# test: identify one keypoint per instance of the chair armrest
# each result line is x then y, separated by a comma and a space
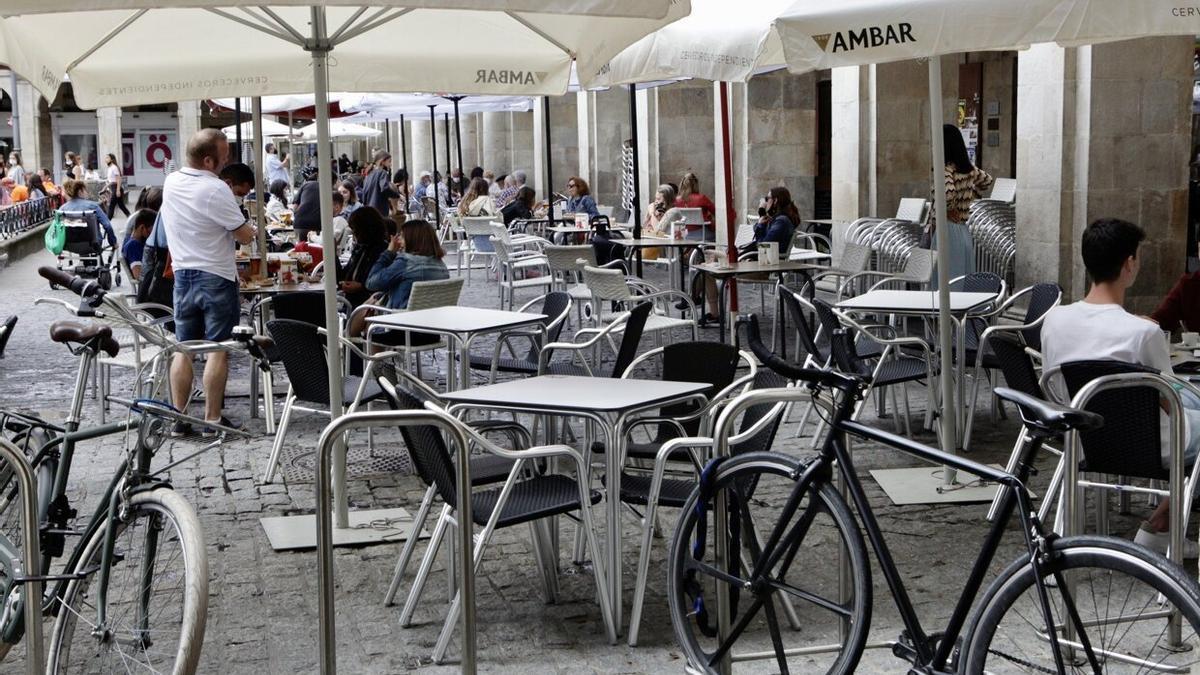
882, 276
639, 360
348, 343
643, 421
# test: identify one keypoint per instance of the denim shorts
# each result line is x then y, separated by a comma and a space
207, 306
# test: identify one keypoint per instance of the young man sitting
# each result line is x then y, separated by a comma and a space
142, 222
1099, 328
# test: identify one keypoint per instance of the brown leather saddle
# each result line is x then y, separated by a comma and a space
79, 333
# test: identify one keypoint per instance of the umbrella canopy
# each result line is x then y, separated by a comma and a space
339, 129
270, 130
204, 50
394, 105
719, 41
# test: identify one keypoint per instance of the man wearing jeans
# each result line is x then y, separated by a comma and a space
202, 221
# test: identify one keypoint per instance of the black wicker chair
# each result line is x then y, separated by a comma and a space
556, 305
631, 327
301, 347
521, 500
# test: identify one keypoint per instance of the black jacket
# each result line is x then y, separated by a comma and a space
358, 268
307, 207
377, 190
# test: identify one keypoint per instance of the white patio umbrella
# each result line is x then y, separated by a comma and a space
379, 106
270, 129
283, 103
201, 49
339, 129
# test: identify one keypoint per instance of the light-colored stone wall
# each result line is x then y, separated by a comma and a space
781, 138
998, 86
611, 129
564, 140
852, 92
685, 133
108, 137
497, 153
521, 143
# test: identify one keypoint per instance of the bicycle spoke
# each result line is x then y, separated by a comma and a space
737, 631
815, 599
701, 566
776, 638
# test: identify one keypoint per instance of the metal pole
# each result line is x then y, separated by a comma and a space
387, 134
260, 181
437, 201
320, 52
466, 553
549, 155
237, 127
637, 198
403, 147
291, 154
16, 116
449, 169
945, 325
457, 130
31, 554
730, 218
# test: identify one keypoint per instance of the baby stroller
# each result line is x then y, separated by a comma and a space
83, 252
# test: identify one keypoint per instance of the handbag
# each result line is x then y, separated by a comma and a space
56, 235
359, 325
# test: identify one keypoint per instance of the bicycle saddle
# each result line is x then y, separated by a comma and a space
73, 331
1050, 417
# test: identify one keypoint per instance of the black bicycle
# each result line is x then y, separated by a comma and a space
767, 538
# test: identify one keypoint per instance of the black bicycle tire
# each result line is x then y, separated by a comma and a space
1086, 551
757, 463
195, 588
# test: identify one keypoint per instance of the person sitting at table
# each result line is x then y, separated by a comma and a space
349, 192
579, 198
476, 201
438, 189
141, 223
776, 225
306, 206
497, 185
76, 192
412, 255
514, 183
690, 197
369, 228
1180, 310
521, 207
1099, 328
402, 184
278, 203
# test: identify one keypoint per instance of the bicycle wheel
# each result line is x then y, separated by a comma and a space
157, 595
1123, 595
800, 587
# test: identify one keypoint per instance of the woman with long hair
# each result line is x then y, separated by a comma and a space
349, 192
690, 197
964, 184
579, 197
412, 255
477, 202
369, 228
116, 187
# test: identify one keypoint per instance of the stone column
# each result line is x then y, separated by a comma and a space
521, 142
29, 111
537, 172
1103, 131
853, 136
564, 140
497, 154
781, 142
188, 116
610, 130
686, 120
418, 148
583, 116
470, 142
647, 121
108, 137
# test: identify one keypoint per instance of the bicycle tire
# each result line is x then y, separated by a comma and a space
1000, 642
750, 475
12, 619
78, 651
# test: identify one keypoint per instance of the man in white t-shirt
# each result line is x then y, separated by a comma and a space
276, 169
202, 220
1099, 328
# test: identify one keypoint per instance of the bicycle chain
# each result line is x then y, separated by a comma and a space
1021, 662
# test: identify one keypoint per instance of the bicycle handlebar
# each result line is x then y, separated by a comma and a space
825, 378
64, 279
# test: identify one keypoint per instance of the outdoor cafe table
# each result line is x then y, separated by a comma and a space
666, 242
925, 304
612, 403
722, 272
460, 326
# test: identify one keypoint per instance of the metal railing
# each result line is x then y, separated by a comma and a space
24, 216
31, 551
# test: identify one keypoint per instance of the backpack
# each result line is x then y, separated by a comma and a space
158, 279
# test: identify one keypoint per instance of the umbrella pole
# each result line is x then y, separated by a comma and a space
387, 134
237, 127
457, 130
403, 148
945, 326
549, 154
730, 218
260, 183
636, 206
437, 201
449, 169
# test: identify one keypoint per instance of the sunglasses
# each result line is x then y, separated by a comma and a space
570, 185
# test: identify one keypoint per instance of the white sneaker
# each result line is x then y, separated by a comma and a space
1158, 542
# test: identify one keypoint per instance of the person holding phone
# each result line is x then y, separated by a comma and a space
412, 255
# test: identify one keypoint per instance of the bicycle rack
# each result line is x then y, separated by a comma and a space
466, 545
34, 656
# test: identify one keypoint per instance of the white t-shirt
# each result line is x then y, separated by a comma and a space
112, 173
275, 170
199, 215
1085, 331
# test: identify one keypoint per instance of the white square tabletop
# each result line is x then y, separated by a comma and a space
456, 319
913, 301
567, 393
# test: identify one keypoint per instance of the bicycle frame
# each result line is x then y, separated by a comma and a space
924, 649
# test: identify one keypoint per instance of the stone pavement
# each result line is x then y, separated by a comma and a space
263, 605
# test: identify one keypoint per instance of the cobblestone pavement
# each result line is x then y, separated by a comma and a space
263, 605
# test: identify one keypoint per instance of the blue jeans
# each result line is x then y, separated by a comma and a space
207, 306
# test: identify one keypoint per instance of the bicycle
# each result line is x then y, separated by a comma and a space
133, 592
1066, 604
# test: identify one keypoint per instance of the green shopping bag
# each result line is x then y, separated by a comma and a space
56, 235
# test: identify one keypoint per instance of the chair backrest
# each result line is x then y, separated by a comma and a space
691, 216
711, 363
606, 211
855, 257
566, 258
978, 282
911, 209
555, 306
1015, 364
765, 378
306, 306
606, 284
631, 336
1004, 190
426, 448
841, 341
1043, 298
805, 328
1130, 442
745, 235
439, 293
918, 266
302, 350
